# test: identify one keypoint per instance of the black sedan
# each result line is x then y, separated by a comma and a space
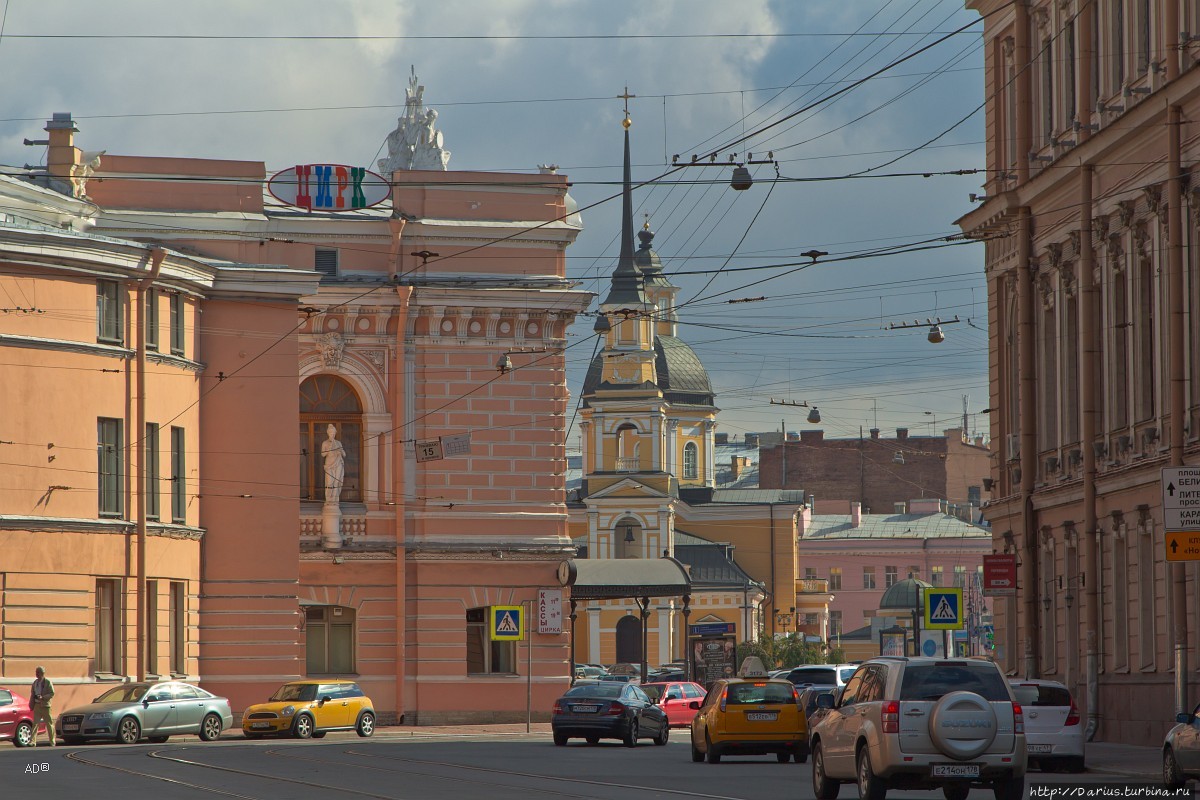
608, 711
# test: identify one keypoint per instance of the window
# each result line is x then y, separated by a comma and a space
110, 468
1143, 36
1144, 332
329, 639
150, 467
810, 619
1047, 69
935, 577
152, 627
151, 319
6, 698
484, 656
178, 629
868, 577
108, 312
1120, 599
1068, 82
177, 325
835, 578
1117, 49
960, 575
914, 571
974, 496
835, 623
889, 577
810, 573
108, 626
1119, 365
327, 400
1147, 585
178, 476
326, 261
690, 458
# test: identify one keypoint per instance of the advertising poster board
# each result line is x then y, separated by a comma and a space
712, 659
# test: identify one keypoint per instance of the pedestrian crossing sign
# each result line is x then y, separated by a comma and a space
943, 609
507, 623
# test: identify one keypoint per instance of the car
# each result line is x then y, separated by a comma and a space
808, 703
821, 674
675, 698
153, 710
921, 723
619, 679
1053, 733
608, 710
309, 709
669, 676
588, 671
16, 718
749, 715
1181, 750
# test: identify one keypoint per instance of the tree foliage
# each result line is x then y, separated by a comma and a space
789, 650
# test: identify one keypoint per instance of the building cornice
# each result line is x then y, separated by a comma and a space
16, 522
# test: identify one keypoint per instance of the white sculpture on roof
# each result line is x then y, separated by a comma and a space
416, 143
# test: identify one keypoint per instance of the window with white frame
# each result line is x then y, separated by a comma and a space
935, 576
835, 578
109, 320
110, 466
889, 577
178, 320
868, 577
108, 626
691, 461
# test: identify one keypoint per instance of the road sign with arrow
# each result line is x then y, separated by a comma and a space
1181, 512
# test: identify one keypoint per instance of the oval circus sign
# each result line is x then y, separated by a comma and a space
328, 187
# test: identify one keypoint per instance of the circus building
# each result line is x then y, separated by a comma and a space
366, 372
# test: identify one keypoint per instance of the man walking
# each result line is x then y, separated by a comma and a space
40, 695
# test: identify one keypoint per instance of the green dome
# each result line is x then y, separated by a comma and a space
904, 595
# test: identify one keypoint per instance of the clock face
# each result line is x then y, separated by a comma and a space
564, 573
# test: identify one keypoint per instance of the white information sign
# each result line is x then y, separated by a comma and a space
550, 611
459, 445
1181, 498
429, 450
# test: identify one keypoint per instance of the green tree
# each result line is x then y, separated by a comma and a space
788, 651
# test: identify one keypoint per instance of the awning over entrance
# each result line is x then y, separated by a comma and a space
609, 579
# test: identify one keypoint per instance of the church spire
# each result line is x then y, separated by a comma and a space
627, 282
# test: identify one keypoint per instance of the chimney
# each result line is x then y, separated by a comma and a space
63, 156
812, 437
735, 466
855, 515
874, 433
901, 433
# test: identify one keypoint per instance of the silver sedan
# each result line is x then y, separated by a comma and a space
152, 711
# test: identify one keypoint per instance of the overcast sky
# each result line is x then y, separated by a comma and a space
519, 83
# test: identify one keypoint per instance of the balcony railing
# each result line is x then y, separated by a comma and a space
628, 464
812, 586
352, 527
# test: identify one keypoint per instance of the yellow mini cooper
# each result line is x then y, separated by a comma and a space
309, 709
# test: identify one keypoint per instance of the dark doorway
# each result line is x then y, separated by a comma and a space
629, 640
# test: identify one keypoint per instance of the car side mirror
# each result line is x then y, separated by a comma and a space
150, 698
694, 704
825, 701
1183, 718
325, 699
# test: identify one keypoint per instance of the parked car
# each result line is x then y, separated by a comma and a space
751, 715
151, 710
1053, 733
16, 718
921, 723
668, 676
619, 679
1181, 750
675, 698
588, 671
821, 674
309, 709
608, 710
808, 703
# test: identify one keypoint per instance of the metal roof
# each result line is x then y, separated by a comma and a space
597, 579
893, 526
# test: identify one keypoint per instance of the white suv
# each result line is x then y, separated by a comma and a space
921, 723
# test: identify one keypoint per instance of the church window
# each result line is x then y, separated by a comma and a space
327, 400
691, 460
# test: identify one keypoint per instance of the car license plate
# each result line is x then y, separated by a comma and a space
762, 716
955, 771
1039, 748
260, 724
71, 726
585, 709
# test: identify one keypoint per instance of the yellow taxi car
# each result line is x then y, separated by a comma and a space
309, 709
750, 715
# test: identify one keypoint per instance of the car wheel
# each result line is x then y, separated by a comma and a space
870, 786
302, 728
592, 740
712, 752
128, 731
23, 735
783, 757
366, 725
319, 734
560, 739
157, 739
823, 787
697, 756
1172, 775
956, 791
1009, 788
210, 728
631, 735
801, 754
663, 735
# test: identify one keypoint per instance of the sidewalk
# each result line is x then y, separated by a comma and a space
500, 730
1130, 760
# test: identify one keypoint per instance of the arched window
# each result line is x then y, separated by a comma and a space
628, 449
328, 400
691, 460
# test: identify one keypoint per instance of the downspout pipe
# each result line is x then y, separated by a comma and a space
138, 457
1178, 402
1029, 584
1089, 365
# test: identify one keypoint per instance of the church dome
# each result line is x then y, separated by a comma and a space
682, 379
904, 595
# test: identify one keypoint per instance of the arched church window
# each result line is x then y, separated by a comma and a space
328, 400
691, 461
628, 455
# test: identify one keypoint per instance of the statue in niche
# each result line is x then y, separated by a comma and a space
334, 455
416, 143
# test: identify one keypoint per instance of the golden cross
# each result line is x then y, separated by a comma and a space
626, 97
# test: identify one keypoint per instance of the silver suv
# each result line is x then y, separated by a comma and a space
921, 723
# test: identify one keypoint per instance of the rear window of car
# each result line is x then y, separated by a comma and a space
1034, 695
653, 691
822, 675
846, 672
751, 693
931, 681
596, 690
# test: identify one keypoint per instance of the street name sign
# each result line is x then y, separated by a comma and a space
1183, 545
943, 609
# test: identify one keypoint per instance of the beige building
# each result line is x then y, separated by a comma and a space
1089, 223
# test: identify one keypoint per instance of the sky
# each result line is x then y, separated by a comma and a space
519, 83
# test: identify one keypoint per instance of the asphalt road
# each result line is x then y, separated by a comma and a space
410, 767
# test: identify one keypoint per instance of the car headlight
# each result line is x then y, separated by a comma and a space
100, 716
288, 711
